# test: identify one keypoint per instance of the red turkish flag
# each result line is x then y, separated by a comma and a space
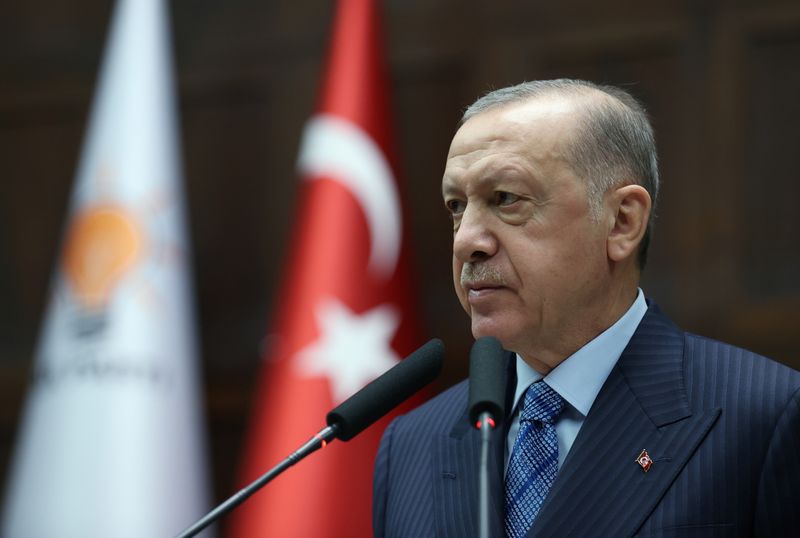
346, 314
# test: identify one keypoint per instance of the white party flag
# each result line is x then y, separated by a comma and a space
111, 442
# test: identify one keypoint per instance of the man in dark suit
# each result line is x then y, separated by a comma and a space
618, 423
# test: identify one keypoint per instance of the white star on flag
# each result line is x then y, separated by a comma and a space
352, 349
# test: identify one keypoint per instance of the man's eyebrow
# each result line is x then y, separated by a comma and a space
448, 187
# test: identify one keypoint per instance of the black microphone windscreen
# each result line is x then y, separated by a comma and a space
388, 391
486, 384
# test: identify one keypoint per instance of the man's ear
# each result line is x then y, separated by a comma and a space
630, 206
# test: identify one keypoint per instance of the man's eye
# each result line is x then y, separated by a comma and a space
502, 198
455, 207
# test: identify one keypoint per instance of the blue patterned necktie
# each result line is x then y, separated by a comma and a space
533, 464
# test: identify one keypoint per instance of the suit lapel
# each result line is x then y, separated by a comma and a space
600, 489
455, 472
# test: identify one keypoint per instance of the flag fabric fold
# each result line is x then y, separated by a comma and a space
346, 312
111, 440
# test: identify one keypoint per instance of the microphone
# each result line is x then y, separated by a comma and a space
486, 411
388, 391
486, 384
348, 419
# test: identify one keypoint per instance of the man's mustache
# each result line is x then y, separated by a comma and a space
480, 273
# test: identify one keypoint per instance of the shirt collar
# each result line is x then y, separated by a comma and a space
580, 376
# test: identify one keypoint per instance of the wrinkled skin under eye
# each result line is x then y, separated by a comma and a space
499, 199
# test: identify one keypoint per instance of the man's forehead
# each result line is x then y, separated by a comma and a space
533, 131
548, 107
502, 125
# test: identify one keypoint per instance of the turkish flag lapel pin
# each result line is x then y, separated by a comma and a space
644, 460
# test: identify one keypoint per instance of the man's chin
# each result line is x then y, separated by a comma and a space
487, 327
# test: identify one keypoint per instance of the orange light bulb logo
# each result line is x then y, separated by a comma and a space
102, 244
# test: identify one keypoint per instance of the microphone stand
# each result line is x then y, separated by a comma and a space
325, 436
486, 424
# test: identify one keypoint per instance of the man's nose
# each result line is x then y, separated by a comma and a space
474, 239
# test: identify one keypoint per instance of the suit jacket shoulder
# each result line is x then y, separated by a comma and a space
717, 421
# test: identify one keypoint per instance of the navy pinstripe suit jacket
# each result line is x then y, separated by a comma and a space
721, 424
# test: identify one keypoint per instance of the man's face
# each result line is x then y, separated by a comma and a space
529, 262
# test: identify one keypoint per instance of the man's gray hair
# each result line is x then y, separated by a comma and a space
614, 145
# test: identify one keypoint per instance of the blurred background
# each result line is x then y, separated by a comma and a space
720, 78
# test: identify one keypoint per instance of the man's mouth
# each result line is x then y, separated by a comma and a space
480, 289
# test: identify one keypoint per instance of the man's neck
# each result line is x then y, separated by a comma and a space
616, 305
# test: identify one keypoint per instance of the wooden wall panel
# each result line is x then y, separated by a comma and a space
770, 218
764, 306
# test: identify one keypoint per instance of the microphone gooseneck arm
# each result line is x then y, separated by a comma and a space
486, 425
320, 440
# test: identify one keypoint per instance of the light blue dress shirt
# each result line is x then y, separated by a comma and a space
578, 378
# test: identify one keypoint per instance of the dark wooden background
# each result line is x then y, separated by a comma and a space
721, 78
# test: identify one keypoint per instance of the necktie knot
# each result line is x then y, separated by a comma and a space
542, 404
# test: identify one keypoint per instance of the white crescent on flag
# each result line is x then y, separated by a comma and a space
338, 149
